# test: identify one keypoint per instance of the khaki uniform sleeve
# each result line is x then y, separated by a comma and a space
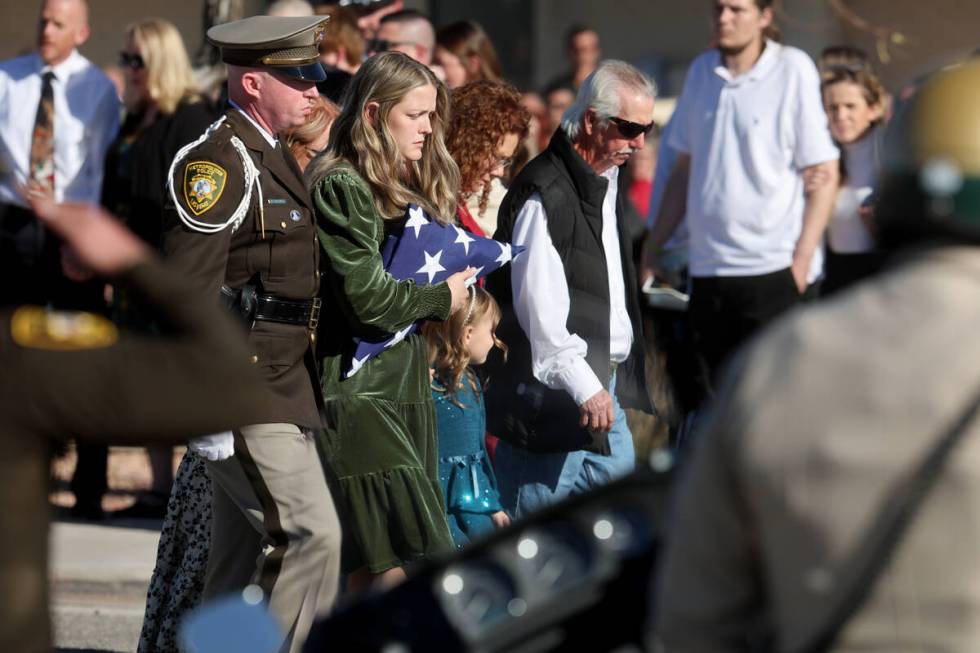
209, 185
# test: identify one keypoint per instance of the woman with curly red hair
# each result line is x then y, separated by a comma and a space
488, 124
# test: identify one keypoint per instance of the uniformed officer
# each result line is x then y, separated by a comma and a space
791, 498
241, 225
70, 372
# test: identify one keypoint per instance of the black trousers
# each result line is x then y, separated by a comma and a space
90, 482
843, 270
726, 311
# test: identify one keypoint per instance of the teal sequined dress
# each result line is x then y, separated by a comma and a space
467, 478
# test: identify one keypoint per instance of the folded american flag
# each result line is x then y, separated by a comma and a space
428, 252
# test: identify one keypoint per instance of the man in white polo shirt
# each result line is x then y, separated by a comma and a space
749, 125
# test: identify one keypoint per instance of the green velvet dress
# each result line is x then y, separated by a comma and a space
381, 440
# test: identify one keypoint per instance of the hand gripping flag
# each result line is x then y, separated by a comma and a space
428, 252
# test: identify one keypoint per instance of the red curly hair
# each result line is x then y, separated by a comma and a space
483, 113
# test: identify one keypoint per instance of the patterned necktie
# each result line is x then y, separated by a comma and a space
42, 144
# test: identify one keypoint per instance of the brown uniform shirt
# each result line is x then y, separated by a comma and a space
61, 376
823, 416
275, 247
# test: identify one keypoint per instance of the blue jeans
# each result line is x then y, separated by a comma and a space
531, 481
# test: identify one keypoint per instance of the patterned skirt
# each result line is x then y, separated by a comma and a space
182, 557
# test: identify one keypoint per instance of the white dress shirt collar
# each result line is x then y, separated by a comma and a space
269, 137
766, 61
62, 71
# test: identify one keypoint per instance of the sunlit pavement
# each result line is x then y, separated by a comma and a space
99, 576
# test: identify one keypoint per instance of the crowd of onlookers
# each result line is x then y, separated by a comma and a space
165, 103
755, 197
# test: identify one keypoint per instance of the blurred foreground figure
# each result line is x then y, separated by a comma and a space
835, 495
73, 372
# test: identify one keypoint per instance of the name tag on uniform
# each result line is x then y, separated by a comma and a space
273, 200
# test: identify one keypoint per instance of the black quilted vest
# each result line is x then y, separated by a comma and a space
520, 409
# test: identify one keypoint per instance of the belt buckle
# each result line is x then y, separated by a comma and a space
314, 314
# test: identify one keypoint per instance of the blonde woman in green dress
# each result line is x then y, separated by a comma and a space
386, 151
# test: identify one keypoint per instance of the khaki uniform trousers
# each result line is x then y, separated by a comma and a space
275, 526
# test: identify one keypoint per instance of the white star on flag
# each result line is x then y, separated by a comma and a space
356, 364
462, 238
432, 265
399, 336
416, 220
505, 255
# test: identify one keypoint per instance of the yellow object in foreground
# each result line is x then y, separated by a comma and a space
40, 328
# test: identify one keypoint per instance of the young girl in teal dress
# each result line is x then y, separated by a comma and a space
468, 484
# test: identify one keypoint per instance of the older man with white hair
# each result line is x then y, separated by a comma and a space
570, 313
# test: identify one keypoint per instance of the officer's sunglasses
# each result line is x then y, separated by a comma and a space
130, 60
631, 130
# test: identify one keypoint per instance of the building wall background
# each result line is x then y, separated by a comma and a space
107, 18
660, 35
664, 35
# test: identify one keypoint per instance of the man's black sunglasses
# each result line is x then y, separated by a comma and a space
129, 60
631, 130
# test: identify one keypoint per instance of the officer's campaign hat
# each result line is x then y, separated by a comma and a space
288, 45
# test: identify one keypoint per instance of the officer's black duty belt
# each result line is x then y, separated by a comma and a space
288, 311
252, 306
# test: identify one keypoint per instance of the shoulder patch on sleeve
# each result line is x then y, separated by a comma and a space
204, 182
196, 186
34, 327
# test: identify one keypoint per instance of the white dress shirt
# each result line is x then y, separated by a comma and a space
269, 138
86, 119
541, 300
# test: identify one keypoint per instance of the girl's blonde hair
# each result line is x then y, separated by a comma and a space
169, 77
449, 355
433, 181
321, 117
